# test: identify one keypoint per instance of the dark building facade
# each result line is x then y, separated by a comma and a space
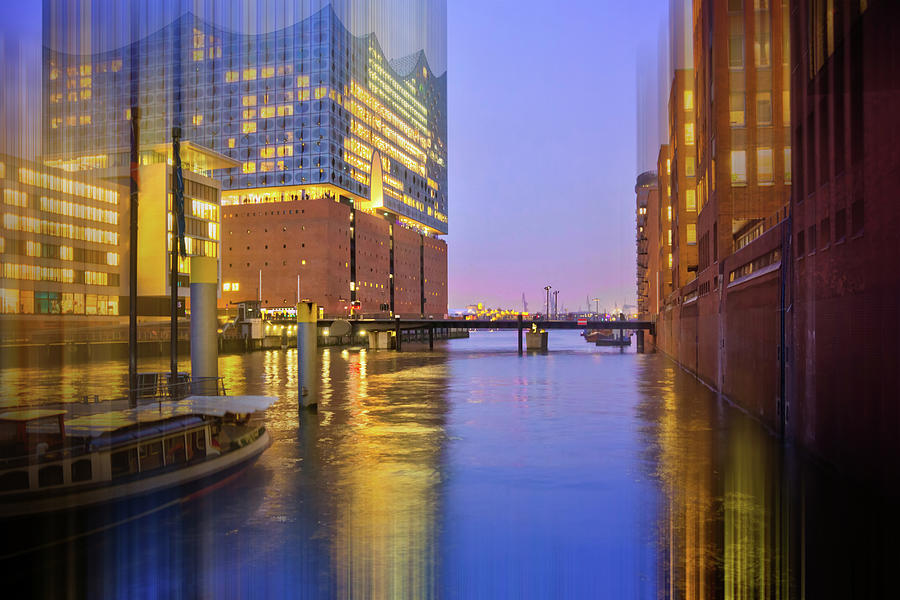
844, 322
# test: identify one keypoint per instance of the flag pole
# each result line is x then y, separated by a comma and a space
173, 275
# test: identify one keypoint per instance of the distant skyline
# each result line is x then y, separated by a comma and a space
542, 146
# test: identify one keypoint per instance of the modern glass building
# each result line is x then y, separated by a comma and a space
309, 110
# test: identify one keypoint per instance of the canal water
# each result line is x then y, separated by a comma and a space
472, 472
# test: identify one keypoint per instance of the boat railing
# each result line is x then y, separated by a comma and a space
153, 387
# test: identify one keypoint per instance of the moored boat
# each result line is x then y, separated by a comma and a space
52, 460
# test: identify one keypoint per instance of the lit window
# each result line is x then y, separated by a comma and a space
266, 166
285, 150
248, 100
198, 55
231, 76
736, 109
249, 74
736, 51
691, 233
669, 212
764, 169
112, 259
267, 72
285, 111
250, 167
668, 167
15, 198
267, 112
231, 142
763, 107
787, 165
65, 252
738, 166
249, 113
689, 134
670, 237
689, 167
321, 92
268, 152
198, 119
688, 100
670, 260
303, 81
690, 200
226, 287
786, 107
249, 127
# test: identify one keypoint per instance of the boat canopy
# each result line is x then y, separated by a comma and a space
97, 424
217, 406
29, 414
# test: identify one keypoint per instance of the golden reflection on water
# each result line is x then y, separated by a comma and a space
380, 446
724, 529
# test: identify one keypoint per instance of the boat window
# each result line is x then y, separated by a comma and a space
124, 462
196, 445
175, 449
151, 456
50, 475
17, 480
81, 470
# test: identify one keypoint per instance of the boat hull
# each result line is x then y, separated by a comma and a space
191, 478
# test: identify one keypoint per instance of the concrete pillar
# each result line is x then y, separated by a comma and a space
379, 340
399, 340
204, 327
536, 340
307, 352
431, 337
640, 341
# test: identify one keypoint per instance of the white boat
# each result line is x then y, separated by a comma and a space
52, 462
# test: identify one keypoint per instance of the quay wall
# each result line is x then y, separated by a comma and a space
729, 336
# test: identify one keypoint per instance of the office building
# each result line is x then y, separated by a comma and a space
314, 110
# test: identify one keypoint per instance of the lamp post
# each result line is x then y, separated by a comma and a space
547, 289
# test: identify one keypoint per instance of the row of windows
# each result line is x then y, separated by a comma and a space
57, 274
26, 302
67, 186
56, 229
44, 250
764, 114
765, 170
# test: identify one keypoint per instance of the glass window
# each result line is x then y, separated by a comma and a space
762, 49
151, 456
689, 134
736, 109
735, 5
786, 107
764, 171
738, 166
736, 51
763, 107
688, 100
787, 165
691, 233
689, 167
124, 462
690, 200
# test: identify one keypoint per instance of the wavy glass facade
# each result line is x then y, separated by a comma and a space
309, 110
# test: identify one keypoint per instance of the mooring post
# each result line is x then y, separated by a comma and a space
520, 335
431, 337
204, 327
307, 342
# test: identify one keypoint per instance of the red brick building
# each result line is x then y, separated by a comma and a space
339, 254
844, 324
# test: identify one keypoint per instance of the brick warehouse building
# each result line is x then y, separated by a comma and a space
312, 111
315, 239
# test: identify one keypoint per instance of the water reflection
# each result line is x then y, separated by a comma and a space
473, 472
